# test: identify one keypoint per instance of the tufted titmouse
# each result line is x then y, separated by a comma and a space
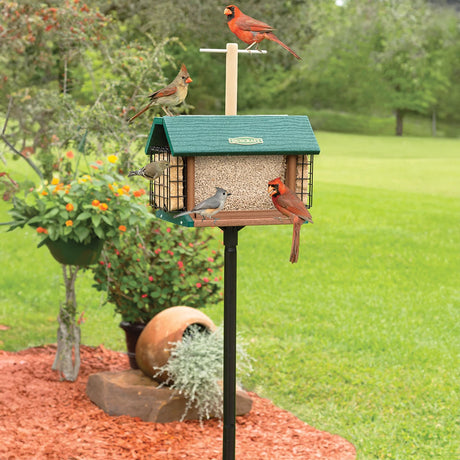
211, 206
151, 171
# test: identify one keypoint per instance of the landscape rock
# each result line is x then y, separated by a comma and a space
131, 392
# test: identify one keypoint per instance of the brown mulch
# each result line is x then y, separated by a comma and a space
43, 417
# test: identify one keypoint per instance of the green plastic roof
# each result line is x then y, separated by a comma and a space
201, 135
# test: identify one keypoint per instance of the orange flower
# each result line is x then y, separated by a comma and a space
126, 188
44, 192
122, 228
69, 154
103, 207
69, 223
69, 207
95, 203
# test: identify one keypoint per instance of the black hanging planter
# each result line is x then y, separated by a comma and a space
132, 333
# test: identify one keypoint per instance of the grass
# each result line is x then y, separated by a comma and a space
361, 337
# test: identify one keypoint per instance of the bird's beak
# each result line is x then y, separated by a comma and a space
189, 80
271, 190
228, 193
227, 11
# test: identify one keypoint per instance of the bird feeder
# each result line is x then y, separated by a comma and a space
238, 153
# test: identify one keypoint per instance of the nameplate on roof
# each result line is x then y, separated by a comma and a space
245, 140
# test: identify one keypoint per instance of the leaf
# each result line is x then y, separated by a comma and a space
107, 219
82, 232
96, 219
84, 215
99, 232
53, 212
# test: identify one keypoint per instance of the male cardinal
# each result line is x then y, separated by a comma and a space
211, 206
151, 171
171, 95
289, 204
250, 30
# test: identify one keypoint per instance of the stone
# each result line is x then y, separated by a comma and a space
132, 393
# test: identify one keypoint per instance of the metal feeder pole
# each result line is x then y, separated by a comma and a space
230, 272
230, 277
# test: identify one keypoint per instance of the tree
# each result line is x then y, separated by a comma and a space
409, 57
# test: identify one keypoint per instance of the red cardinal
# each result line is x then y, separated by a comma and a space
171, 95
250, 30
289, 204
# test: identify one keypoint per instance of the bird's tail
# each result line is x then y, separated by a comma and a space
271, 36
295, 242
139, 113
183, 214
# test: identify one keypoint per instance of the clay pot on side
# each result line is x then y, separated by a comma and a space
168, 326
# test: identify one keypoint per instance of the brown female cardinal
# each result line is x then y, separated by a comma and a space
171, 95
289, 204
250, 30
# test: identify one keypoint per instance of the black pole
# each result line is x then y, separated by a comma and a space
230, 276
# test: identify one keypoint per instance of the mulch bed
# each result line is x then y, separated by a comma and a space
43, 417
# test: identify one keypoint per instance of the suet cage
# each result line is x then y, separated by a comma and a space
240, 154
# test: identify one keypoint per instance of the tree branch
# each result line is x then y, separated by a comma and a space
11, 146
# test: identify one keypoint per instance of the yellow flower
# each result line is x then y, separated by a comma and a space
112, 158
54, 181
120, 191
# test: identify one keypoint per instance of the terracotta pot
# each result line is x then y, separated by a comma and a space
132, 333
168, 326
73, 253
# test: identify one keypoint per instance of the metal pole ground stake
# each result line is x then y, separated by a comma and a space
230, 276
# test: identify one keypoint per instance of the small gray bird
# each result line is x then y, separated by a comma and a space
209, 207
151, 171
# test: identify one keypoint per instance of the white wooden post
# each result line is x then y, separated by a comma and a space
231, 79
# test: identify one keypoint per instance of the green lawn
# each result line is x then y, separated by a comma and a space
361, 337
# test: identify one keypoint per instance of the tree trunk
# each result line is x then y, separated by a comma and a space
67, 360
399, 122
433, 123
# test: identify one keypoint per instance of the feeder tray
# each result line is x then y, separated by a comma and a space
240, 154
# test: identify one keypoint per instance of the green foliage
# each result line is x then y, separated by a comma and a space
158, 266
195, 370
81, 209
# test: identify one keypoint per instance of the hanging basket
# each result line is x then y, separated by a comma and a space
74, 253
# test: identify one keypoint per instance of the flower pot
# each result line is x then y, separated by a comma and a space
168, 326
132, 333
74, 253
